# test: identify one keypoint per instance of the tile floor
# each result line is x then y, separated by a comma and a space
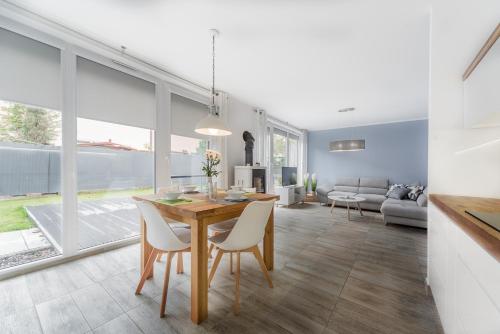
331, 276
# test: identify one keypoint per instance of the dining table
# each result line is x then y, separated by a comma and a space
198, 211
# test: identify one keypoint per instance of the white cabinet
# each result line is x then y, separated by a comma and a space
250, 177
464, 278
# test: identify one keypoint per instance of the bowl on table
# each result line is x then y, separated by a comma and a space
172, 195
234, 194
189, 188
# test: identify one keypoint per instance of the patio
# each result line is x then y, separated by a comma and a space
100, 221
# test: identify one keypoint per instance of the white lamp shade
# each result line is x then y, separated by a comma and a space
212, 126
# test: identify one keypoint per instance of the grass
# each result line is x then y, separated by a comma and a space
13, 215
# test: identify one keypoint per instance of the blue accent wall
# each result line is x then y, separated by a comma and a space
397, 151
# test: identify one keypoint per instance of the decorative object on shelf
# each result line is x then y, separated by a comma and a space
248, 138
210, 170
212, 124
306, 182
314, 182
350, 144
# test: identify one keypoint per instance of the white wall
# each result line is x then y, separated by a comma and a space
241, 117
458, 30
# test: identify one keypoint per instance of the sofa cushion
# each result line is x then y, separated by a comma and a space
404, 208
347, 181
398, 193
374, 182
378, 191
373, 198
422, 199
415, 192
346, 189
341, 193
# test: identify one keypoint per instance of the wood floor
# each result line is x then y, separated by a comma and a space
331, 276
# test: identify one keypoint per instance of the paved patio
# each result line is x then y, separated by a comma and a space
100, 221
19, 241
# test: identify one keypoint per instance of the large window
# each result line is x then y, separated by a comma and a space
284, 152
114, 163
187, 155
30, 183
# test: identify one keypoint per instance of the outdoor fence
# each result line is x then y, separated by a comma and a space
26, 168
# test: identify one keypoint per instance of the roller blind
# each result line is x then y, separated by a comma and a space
30, 71
109, 95
185, 114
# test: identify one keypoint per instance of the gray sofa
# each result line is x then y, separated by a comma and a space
404, 212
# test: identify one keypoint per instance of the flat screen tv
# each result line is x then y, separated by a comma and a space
289, 176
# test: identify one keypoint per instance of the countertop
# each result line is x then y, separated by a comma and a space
454, 207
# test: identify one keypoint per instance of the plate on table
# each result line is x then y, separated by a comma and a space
241, 199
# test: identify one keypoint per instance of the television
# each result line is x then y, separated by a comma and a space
289, 176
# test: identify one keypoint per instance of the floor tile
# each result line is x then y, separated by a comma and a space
121, 324
61, 316
96, 305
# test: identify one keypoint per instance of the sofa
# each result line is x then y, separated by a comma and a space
374, 190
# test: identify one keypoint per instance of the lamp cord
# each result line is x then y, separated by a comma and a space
213, 69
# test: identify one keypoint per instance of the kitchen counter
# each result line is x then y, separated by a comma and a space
454, 207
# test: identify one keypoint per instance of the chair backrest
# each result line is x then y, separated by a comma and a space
250, 227
159, 234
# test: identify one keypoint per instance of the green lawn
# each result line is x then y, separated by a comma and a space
13, 216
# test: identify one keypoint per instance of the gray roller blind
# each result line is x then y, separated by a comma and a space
30, 71
109, 95
185, 114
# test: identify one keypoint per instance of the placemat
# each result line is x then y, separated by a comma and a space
178, 201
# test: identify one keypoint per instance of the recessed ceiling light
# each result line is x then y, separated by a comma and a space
347, 109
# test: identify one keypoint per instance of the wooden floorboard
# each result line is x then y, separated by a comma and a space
331, 276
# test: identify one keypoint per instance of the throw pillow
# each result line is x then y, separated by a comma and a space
399, 193
415, 191
394, 186
422, 200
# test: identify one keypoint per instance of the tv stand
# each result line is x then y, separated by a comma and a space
290, 195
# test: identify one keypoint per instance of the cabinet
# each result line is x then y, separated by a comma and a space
464, 278
250, 177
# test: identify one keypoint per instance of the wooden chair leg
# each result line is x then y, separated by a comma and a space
170, 255
218, 257
147, 270
158, 259
237, 287
180, 263
258, 256
210, 249
231, 263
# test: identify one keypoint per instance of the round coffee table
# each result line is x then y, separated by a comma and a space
347, 200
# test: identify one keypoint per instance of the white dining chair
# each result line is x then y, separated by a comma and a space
163, 239
245, 236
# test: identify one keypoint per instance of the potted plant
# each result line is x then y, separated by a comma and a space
209, 168
306, 182
314, 183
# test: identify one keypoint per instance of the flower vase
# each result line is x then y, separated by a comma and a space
212, 189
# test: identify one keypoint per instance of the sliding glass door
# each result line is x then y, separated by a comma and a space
284, 151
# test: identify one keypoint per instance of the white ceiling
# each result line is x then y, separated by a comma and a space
299, 60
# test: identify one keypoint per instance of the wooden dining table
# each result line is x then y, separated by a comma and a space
200, 213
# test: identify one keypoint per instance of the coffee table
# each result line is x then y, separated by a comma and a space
347, 200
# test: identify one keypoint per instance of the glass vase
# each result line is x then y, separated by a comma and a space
212, 189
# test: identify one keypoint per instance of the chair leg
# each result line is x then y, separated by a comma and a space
231, 263
218, 257
210, 249
258, 256
180, 263
237, 287
158, 258
165, 284
147, 270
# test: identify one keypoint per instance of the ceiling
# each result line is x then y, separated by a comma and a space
301, 61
